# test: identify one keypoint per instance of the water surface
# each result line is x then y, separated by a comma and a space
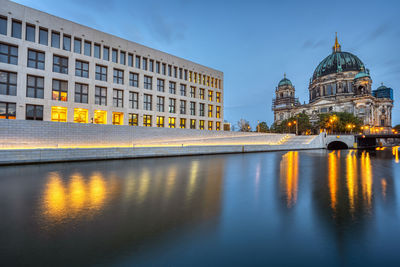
297, 208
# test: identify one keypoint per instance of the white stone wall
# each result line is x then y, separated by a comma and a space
51, 23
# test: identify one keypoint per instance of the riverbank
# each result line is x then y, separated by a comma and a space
39, 142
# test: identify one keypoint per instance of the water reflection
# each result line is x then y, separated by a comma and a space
289, 175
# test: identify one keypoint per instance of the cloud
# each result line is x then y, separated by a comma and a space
165, 30
314, 44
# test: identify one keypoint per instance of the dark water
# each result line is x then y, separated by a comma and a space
308, 208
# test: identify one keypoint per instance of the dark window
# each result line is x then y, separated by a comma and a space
87, 48
34, 112
101, 73
8, 54
81, 93
163, 68
137, 62
134, 100
35, 59
82, 69
160, 85
144, 65
35, 87
3, 25
67, 43
172, 103
130, 60
60, 64
100, 96
115, 55
185, 75
8, 110
183, 90
193, 108
201, 93
160, 103
148, 82
55, 39
16, 29
180, 73
183, 107
158, 67
106, 53
8, 83
151, 65
122, 58
118, 98
43, 36
133, 119
97, 48
175, 72
172, 88
30, 33
77, 45
201, 109
118, 76
60, 90
134, 79
147, 102
147, 120
169, 70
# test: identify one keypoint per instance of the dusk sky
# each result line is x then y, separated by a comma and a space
253, 42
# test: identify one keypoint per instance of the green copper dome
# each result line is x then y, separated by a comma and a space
362, 74
338, 62
381, 87
285, 81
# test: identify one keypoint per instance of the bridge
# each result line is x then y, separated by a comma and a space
357, 141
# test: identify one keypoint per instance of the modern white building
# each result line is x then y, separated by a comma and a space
53, 69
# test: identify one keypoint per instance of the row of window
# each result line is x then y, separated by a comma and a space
36, 59
103, 52
35, 112
35, 89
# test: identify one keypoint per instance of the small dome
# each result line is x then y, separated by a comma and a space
285, 81
381, 87
362, 74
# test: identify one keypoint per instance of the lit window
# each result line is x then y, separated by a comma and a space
218, 112
210, 125
60, 90
192, 124
201, 93
147, 120
171, 122
218, 126
80, 115
210, 95
218, 97
133, 119
201, 125
100, 117
210, 111
182, 123
160, 121
118, 118
59, 114
8, 110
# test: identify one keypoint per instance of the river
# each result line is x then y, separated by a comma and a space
297, 208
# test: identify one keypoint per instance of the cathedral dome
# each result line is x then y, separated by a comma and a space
338, 61
285, 81
362, 74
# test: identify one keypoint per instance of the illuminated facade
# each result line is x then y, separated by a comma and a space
53, 69
340, 83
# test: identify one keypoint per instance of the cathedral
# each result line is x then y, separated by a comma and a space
340, 83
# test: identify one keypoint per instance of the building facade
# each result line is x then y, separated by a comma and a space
340, 83
53, 69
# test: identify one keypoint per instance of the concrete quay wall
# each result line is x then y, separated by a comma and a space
35, 142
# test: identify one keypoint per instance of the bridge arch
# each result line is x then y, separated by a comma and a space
337, 145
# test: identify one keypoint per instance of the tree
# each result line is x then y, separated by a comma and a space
243, 125
262, 127
339, 122
289, 125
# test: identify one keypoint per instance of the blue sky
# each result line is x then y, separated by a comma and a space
252, 42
